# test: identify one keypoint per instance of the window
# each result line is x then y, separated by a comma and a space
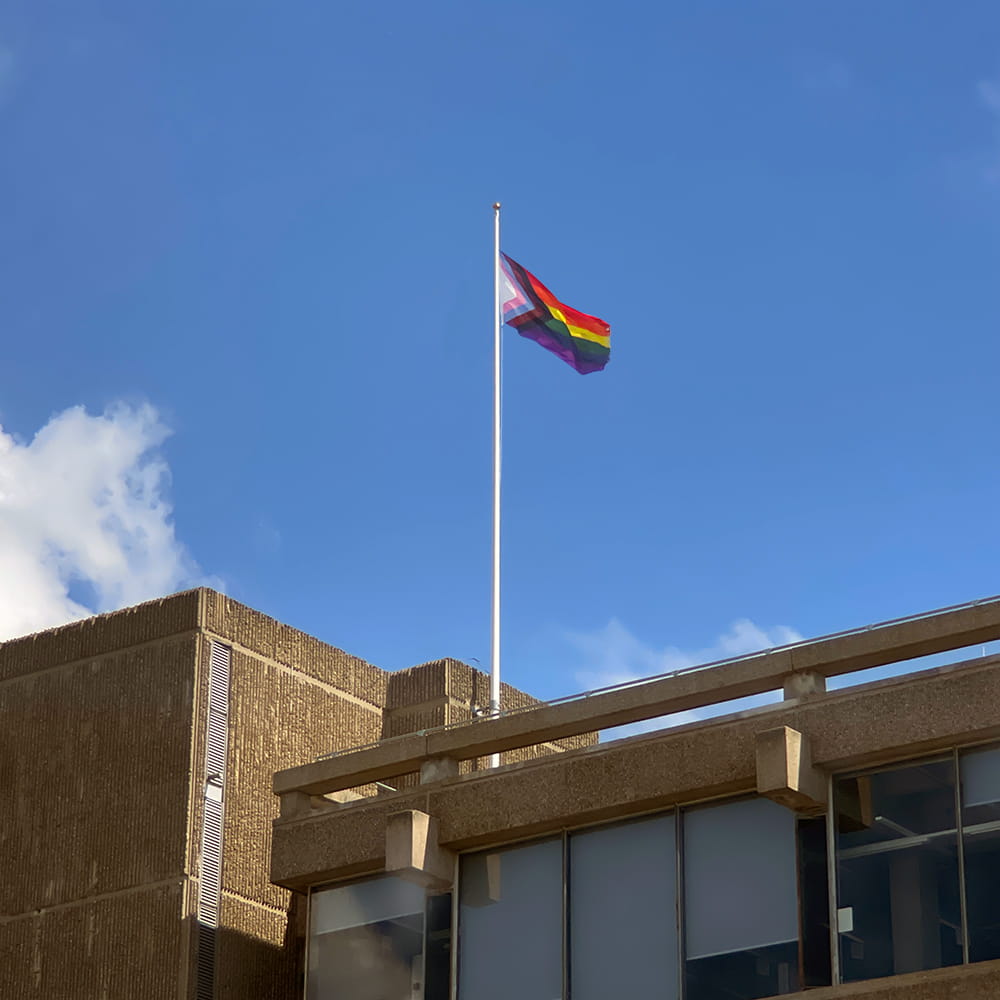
814, 903
369, 941
728, 901
740, 901
898, 871
511, 925
597, 914
980, 775
623, 911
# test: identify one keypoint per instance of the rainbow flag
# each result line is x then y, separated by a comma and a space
580, 340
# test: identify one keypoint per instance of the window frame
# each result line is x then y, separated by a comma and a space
955, 755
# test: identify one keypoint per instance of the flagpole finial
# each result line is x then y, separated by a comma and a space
496, 206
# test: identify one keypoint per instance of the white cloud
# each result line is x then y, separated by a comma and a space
82, 509
613, 655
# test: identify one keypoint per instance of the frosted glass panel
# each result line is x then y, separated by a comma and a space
740, 883
510, 924
980, 777
623, 911
366, 942
364, 903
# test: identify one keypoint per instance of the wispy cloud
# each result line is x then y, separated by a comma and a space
84, 522
614, 655
989, 98
989, 94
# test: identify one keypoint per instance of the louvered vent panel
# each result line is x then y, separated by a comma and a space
206, 962
215, 755
210, 885
210, 882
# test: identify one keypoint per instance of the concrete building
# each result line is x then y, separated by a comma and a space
835, 845
136, 758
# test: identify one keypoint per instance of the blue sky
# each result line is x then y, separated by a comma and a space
266, 229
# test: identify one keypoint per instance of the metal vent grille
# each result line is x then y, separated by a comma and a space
210, 884
210, 881
218, 710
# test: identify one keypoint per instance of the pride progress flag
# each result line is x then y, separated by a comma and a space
580, 340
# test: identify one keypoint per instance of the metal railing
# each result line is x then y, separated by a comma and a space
681, 671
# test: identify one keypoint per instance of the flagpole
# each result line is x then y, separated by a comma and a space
495, 620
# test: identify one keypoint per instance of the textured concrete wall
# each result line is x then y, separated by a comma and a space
291, 699
260, 953
279, 643
968, 982
94, 760
102, 750
276, 716
96, 636
113, 948
447, 692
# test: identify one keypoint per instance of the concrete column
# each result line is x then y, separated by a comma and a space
913, 893
785, 771
412, 851
295, 804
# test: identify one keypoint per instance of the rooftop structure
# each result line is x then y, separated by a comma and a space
836, 844
136, 756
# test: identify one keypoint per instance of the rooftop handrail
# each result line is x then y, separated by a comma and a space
797, 667
638, 681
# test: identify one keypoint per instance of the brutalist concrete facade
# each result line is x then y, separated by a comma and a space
792, 752
103, 727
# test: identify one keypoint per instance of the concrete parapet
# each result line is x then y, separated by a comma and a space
868, 725
765, 672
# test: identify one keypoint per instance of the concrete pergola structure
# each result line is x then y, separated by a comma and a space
786, 751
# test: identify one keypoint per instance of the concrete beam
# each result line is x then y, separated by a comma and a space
785, 772
412, 851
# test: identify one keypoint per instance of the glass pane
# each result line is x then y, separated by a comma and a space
981, 781
740, 900
367, 942
362, 903
980, 771
814, 905
623, 911
437, 948
897, 870
510, 924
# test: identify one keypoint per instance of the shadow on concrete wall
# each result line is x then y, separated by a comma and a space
244, 967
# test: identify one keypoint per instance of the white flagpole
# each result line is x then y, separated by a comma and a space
495, 625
